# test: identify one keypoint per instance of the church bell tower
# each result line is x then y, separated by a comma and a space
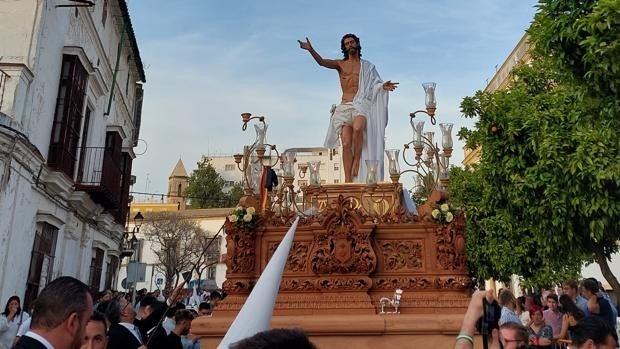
177, 183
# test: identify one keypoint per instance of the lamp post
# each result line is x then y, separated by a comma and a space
128, 245
138, 220
132, 243
429, 164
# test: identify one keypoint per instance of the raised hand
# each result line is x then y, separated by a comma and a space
12, 311
390, 86
305, 45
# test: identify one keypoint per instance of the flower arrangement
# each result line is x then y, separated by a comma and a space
244, 217
443, 213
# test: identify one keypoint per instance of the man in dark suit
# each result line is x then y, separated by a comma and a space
60, 315
122, 333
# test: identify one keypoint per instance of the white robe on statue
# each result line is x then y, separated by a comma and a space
371, 101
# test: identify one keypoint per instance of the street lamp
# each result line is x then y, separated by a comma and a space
133, 242
138, 219
128, 245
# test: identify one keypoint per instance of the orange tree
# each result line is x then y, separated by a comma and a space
545, 197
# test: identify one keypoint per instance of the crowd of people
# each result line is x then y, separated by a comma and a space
581, 315
65, 316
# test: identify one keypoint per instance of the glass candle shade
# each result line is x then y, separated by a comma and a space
446, 135
418, 127
288, 164
315, 177
261, 132
429, 91
372, 167
393, 167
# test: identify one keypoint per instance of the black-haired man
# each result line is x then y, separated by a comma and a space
183, 322
592, 333
597, 305
60, 315
283, 338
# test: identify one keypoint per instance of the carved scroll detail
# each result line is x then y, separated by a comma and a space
233, 286
297, 257
241, 249
453, 282
451, 245
344, 248
403, 255
404, 283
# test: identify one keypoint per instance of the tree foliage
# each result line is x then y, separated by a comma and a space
545, 196
205, 188
235, 193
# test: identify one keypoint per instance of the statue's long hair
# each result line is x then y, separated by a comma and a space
357, 41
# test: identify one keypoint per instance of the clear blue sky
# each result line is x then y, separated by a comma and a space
208, 61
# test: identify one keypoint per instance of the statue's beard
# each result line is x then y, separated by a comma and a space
352, 51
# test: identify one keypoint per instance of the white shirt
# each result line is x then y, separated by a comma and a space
43, 341
134, 330
24, 327
169, 324
9, 329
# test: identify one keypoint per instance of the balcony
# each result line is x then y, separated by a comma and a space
99, 174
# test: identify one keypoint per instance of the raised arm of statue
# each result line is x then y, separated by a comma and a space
327, 63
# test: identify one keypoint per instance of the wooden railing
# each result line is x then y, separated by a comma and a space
100, 175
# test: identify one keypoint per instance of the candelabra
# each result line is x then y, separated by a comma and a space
286, 198
428, 163
252, 162
394, 302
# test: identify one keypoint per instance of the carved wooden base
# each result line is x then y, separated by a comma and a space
345, 258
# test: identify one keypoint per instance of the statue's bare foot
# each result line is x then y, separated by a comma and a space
355, 167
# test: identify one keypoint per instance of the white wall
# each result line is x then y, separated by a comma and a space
209, 224
34, 35
213, 225
331, 170
594, 270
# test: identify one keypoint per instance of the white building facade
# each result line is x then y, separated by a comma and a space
70, 109
331, 171
210, 220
